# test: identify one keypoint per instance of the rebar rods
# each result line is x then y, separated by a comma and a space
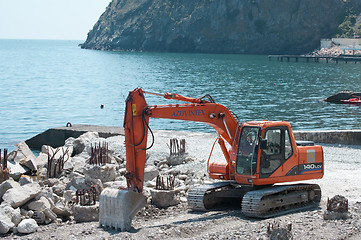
167, 184
99, 154
4, 165
177, 147
86, 197
56, 165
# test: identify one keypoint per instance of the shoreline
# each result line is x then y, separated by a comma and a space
56, 137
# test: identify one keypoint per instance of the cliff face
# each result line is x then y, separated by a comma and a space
217, 26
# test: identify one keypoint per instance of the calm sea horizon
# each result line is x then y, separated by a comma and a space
47, 83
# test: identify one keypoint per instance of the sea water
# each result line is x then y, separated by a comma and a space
45, 84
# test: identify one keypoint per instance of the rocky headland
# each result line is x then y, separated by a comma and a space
208, 26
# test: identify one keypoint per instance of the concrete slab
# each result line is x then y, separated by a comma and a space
56, 137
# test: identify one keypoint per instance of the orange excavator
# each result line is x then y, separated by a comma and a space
261, 156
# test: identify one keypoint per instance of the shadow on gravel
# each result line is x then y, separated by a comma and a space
112, 231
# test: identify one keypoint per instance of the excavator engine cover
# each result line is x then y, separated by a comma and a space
117, 208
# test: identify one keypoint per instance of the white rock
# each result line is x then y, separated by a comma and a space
13, 214
9, 218
83, 140
150, 173
116, 184
39, 205
61, 210
105, 173
42, 160
78, 162
23, 155
16, 197
4, 186
5, 224
16, 170
27, 226
69, 195
50, 214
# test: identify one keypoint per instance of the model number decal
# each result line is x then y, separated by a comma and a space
188, 113
302, 168
312, 166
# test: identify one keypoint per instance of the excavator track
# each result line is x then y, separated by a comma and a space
203, 197
277, 200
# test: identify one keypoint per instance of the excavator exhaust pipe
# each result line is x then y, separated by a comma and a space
117, 208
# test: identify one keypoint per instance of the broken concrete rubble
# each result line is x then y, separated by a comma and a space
337, 208
39, 205
45, 199
86, 213
105, 173
80, 143
9, 218
17, 197
16, 170
23, 155
164, 198
4, 186
5, 224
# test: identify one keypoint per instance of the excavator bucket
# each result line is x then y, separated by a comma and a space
117, 208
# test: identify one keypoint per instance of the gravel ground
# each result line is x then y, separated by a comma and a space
342, 176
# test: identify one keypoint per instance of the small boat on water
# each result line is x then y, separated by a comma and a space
356, 100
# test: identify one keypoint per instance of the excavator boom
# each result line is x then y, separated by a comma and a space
136, 122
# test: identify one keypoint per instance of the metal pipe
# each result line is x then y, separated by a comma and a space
155, 94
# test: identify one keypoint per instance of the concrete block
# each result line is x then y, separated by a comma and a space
164, 198
86, 213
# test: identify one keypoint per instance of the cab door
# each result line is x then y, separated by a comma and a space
247, 153
276, 150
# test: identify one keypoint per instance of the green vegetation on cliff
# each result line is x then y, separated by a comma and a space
349, 26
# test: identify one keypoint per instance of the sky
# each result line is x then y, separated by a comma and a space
49, 19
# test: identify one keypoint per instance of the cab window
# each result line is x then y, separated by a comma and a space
277, 150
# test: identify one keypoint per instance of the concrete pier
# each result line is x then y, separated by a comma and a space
288, 58
56, 137
344, 137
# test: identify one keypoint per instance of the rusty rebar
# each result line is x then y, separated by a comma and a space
56, 166
86, 197
176, 147
167, 184
4, 166
99, 154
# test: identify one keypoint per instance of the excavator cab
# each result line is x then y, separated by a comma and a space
267, 153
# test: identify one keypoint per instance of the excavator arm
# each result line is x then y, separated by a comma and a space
117, 208
136, 126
